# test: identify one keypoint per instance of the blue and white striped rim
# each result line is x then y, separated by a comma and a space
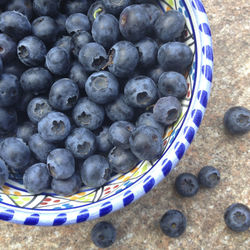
197, 107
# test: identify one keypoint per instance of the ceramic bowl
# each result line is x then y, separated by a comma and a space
48, 209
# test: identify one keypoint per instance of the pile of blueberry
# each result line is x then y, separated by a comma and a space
87, 88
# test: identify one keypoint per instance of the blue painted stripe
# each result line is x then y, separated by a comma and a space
82, 216
60, 219
128, 198
106, 208
148, 184
32, 220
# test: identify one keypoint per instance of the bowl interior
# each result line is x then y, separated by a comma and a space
14, 194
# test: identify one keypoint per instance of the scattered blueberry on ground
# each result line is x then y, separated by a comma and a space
209, 177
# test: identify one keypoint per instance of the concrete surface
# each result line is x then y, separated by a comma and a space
137, 225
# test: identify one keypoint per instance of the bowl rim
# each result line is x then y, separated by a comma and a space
163, 166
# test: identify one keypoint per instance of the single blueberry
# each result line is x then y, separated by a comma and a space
186, 185
79, 40
58, 61
46, 7
67, 187
7, 48
173, 223
102, 87
169, 26
36, 178
61, 164
123, 59
15, 24
31, 51
4, 173
120, 132
167, 110
65, 42
119, 110
116, 7
105, 30
237, 120
63, 94
134, 23
75, 6
103, 143
155, 73
15, 152
77, 22
209, 177
95, 171
173, 84
121, 160
40, 148
9, 90
146, 143
38, 108
25, 131
88, 114
237, 217
22, 6
81, 142
140, 92
78, 75
54, 127
103, 234
93, 57
8, 120
36, 80
61, 21
153, 12
175, 56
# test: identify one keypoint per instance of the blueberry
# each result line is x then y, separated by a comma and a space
147, 119
22, 6
78, 75
40, 148
36, 178
103, 234
15, 153
61, 24
45, 28
121, 160
120, 132
175, 56
38, 108
147, 49
102, 140
58, 61
186, 185
169, 26
15, 24
4, 173
237, 217
63, 94
9, 90
95, 10
15, 68
173, 223
155, 73
31, 51
75, 6
209, 177
105, 30
95, 171
7, 48
25, 131
79, 40
102, 87
8, 120
134, 23
77, 22
237, 120
153, 12
167, 110
36, 80
146, 143
123, 57
46, 7
66, 187
116, 7
140, 92
54, 127
93, 57
119, 110
173, 84
61, 164
88, 114
81, 142
1, 65
65, 42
